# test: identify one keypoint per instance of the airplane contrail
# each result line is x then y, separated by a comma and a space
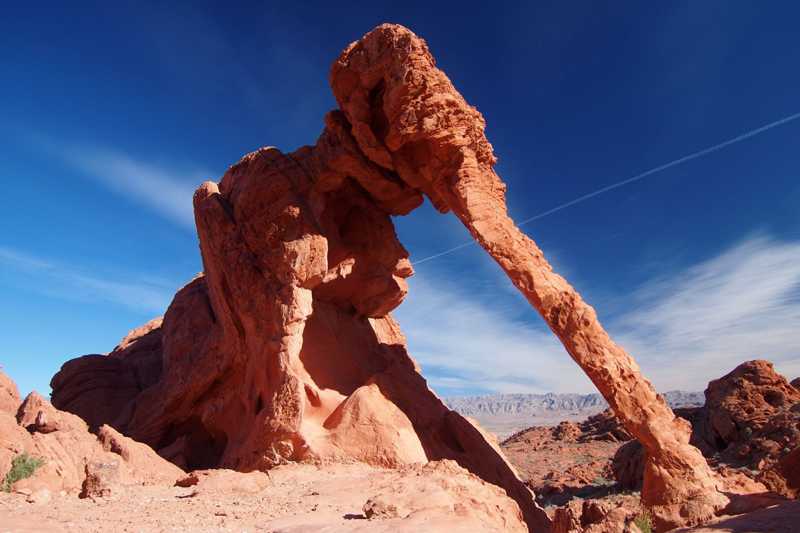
646, 173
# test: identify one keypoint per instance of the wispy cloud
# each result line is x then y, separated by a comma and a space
699, 324
166, 191
684, 329
466, 343
53, 279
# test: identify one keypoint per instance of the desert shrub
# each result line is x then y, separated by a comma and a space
22, 466
644, 521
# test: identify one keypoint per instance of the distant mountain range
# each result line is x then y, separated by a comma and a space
506, 413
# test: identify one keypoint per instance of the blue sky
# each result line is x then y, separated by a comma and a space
110, 115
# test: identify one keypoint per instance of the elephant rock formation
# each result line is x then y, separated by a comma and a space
284, 348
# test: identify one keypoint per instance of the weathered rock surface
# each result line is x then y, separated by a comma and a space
225, 480
588, 516
9, 395
751, 420
75, 460
116, 378
264, 357
780, 518
751, 415
283, 349
447, 491
407, 117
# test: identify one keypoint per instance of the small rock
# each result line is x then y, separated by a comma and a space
377, 508
102, 479
39, 497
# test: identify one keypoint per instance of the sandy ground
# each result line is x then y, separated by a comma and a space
298, 495
295, 499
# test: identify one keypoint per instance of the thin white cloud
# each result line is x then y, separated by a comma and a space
65, 282
167, 192
684, 329
699, 324
465, 343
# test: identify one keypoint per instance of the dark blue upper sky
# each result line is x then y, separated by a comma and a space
110, 115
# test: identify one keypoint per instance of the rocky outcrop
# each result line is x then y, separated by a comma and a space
751, 419
9, 395
408, 118
115, 379
751, 416
284, 347
588, 516
73, 459
442, 496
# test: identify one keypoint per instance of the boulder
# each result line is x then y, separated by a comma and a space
751, 420
223, 480
749, 414
71, 458
442, 496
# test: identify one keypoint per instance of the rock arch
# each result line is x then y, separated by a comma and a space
284, 349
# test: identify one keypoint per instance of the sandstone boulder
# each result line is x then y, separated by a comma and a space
223, 480
750, 415
751, 420
73, 459
442, 496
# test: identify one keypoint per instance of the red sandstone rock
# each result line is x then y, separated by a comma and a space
74, 459
407, 117
263, 359
589, 516
103, 388
442, 489
627, 465
751, 420
789, 468
9, 395
283, 350
222, 480
750, 416
567, 461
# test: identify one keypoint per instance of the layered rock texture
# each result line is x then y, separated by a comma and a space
750, 422
72, 459
284, 349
